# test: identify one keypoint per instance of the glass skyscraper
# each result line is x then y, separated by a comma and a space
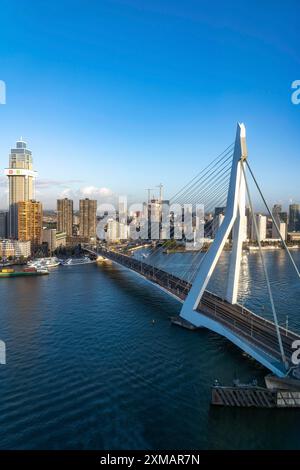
21, 183
294, 218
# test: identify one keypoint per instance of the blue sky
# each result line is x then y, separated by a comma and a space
125, 94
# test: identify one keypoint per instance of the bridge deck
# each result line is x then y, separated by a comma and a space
250, 327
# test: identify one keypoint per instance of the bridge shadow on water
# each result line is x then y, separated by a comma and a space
142, 291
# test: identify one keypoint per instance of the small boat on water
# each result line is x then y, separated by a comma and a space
50, 262
77, 261
29, 271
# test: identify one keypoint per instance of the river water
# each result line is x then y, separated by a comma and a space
94, 363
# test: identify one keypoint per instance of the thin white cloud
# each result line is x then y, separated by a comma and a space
45, 183
93, 191
101, 195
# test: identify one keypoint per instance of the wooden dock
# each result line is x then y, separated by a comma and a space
257, 397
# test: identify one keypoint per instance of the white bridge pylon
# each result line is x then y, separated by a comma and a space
234, 220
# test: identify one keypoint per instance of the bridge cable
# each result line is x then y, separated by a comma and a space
218, 158
273, 220
265, 271
211, 193
212, 172
220, 193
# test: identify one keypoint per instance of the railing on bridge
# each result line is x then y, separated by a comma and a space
240, 321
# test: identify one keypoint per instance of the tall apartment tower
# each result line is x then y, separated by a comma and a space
30, 222
281, 224
65, 216
261, 223
87, 218
21, 183
3, 224
294, 218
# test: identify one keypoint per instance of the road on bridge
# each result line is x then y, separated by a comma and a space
252, 328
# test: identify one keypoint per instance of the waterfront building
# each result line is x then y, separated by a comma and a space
21, 182
154, 218
277, 214
261, 222
49, 237
277, 209
283, 217
87, 218
123, 231
30, 220
249, 226
282, 226
3, 224
294, 218
14, 248
61, 239
294, 237
53, 239
112, 231
65, 216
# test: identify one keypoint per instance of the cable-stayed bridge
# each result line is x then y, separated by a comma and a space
225, 183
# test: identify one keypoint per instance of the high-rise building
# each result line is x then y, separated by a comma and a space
3, 224
154, 218
30, 222
112, 230
220, 210
14, 248
49, 237
217, 222
65, 216
277, 209
283, 217
294, 218
249, 227
87, 218
261, 223
283, 230
21, 182
281, 222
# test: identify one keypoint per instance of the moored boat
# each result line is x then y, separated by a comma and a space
50, 262
77, 261
29, 271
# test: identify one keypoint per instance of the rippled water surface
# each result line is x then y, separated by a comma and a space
88, 368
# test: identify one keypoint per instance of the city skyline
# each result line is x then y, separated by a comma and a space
102, 195
149, 230
149, 98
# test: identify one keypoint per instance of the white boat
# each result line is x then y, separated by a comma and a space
42, 270
77, 261
50, 262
